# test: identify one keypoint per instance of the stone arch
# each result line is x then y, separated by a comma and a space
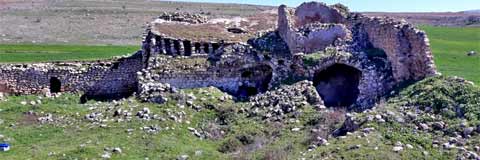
55, 85
254, 80
338, 85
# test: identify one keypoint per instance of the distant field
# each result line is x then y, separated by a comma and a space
25, 53
450, 47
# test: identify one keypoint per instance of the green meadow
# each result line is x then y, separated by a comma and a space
29, 53
450, 47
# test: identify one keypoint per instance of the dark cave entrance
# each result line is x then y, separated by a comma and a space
254, 80
188, 48
168, 47
215, 47
338, 85
55, 85
197, 48
206, 48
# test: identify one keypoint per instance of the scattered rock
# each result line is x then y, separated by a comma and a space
117, 150
182, 157
295, 129
471, 53
106, 155
438, 125
397, 149
468, 131
409, 146
423, 126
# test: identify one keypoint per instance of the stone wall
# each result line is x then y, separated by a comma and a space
313, 12
406, 47
375, 80
313, 42
105, 78
314, 27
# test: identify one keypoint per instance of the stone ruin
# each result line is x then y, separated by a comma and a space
351, 60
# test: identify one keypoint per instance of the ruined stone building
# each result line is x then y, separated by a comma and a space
352, 60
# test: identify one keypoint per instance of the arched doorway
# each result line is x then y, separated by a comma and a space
55, 85
254, 80
338, 85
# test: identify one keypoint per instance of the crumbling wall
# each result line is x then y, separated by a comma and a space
106, 78
313, 12
406, 47
314, 27
374, 82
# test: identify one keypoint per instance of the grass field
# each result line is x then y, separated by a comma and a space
450, 47
26, 53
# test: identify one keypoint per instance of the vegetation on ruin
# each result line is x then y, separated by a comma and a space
29, 53
314, 58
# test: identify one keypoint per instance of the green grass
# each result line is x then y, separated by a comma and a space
71, 136
450, 47
28, 53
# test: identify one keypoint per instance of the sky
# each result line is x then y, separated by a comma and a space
374, 5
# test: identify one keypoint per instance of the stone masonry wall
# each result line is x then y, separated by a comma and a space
407, 48
107, 78
314, 27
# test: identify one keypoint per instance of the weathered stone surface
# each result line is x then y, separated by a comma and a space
312, 12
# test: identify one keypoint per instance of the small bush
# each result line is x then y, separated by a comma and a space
449, 96
230, 145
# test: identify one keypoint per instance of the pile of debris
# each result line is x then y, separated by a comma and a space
183, 17
276, 105
151, 91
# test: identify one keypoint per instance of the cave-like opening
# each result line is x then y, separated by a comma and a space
55, 85
254, 80
338, 85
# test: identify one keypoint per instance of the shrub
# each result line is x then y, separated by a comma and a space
449, 96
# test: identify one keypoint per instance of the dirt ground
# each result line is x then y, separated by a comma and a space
95, 21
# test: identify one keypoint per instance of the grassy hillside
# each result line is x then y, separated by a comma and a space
213, 127
14, 53
450, 47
